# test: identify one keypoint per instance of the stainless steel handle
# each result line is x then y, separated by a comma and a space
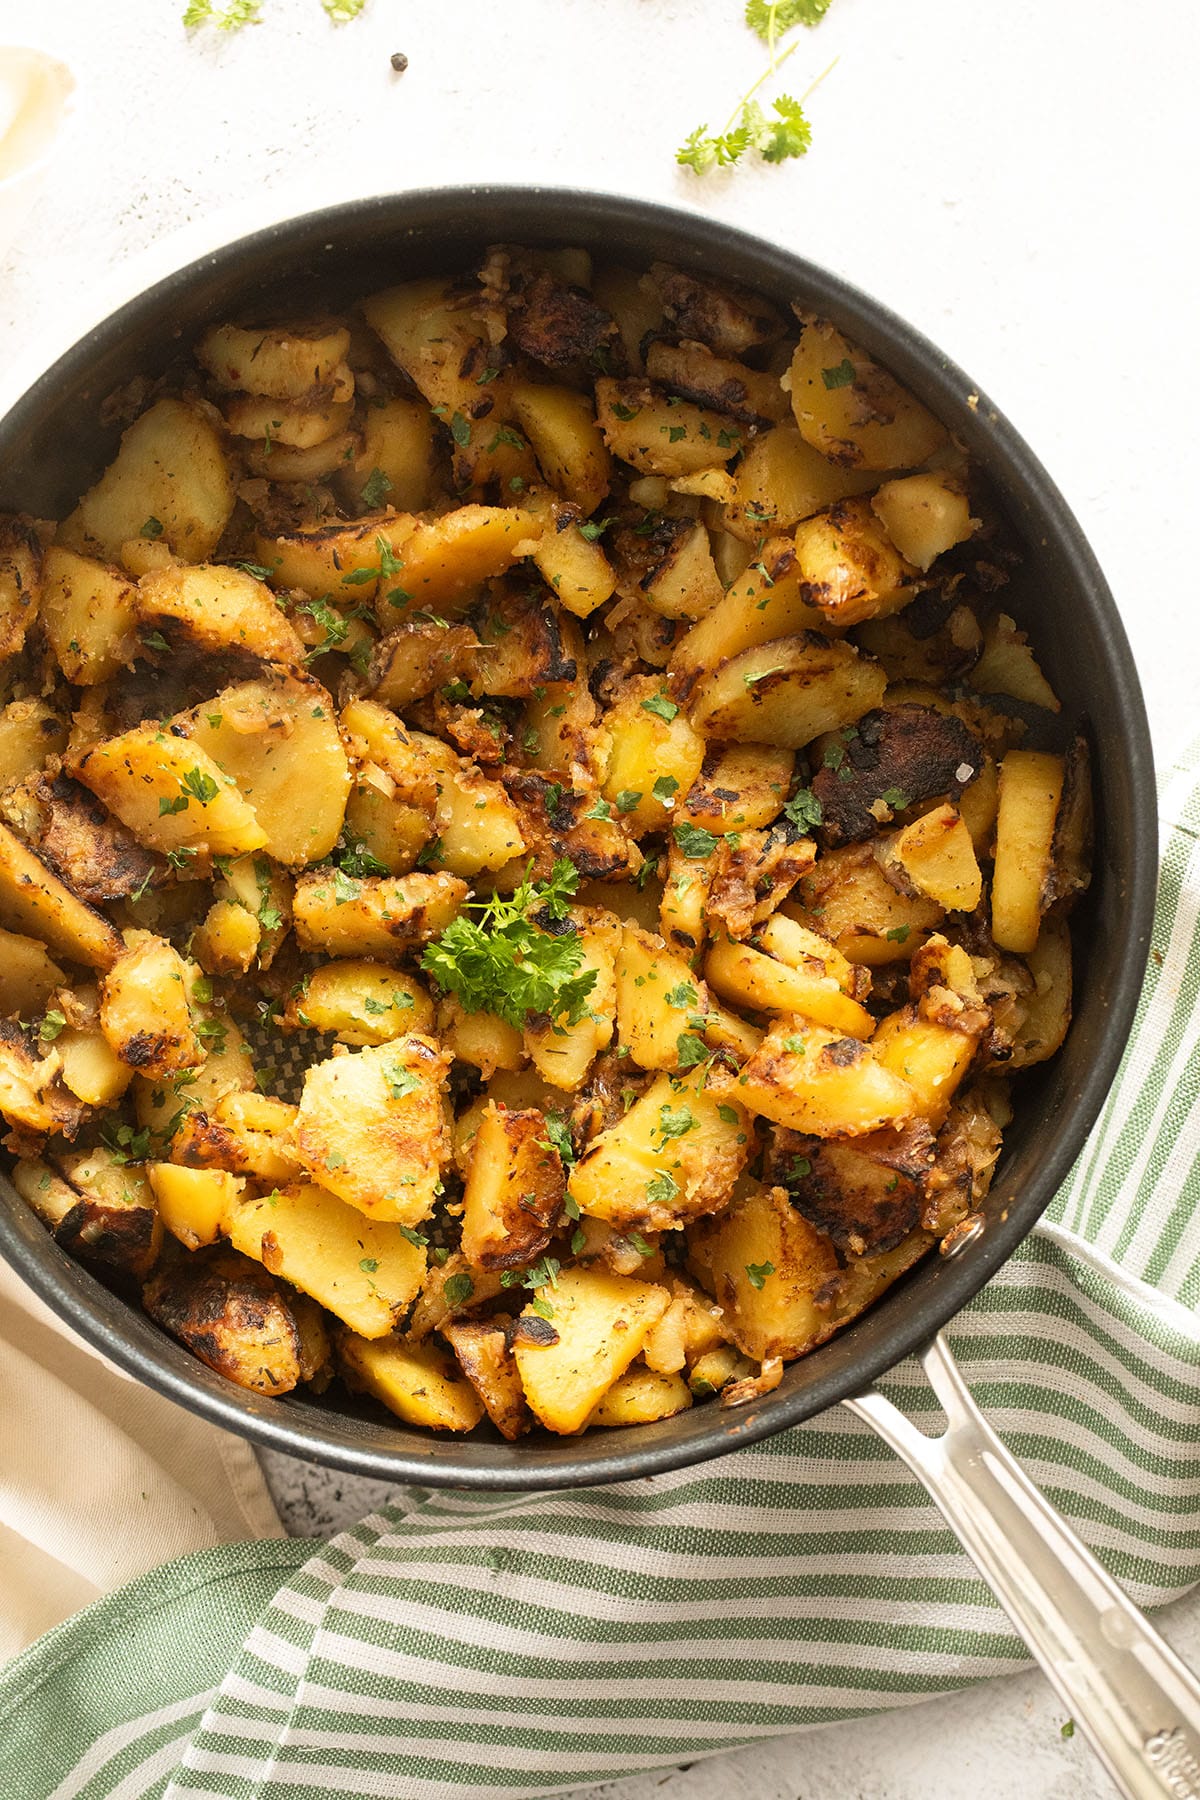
1126, 1689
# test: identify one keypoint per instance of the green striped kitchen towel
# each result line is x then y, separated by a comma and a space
454, 1646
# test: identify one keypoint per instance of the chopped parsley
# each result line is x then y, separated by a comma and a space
756, 1273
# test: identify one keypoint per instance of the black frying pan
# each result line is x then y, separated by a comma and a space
52, 447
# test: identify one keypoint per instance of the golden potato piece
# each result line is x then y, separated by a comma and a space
850, 568
924, 515
216, 609
375, 915
170, 793
30, 731
420, 1383
231, 1314
1031, 786
815, 1080
852, 410
760, 982
673, 1156
36, 904
284, 363
144, 1012
640, 1396
598, 1324
656, 755
658, 434
370, 1127
781, 480
115, 1221
561, 425
659, 1000
767, 600
88, 611
28, 976
783, 1286
277, 737
561, 1053
170, 480
484, 1356
363, 1271
195, 1205
444, 561
360, 1002
514, 1189
934, 856
395, 461
787, 692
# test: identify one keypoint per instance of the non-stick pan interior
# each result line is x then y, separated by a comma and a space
52, 447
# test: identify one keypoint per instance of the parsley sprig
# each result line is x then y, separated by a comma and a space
775, 135
501, 962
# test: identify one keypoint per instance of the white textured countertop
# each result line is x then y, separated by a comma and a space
1016, 178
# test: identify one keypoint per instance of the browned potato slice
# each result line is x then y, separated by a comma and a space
673, 1156
599, 1323
415, 659
195, 1205
116, 1221
214, 609
659, 1000
1047, 1010
30, 1093
629, 298
656, 755
363, 1271
283, 363
444, 561
144, 1011
360, 1002
377, 915
170, 793
480, 1038
749, 979
783, 1285
767, 602
781, 480
850, 569
30, 731
514, 1190
815, 1080
420, 1383
691, 369
787, 692
1031, 785
573, 565
296, 424
521, 650
35, 903
370, 1127
1007, 665
395, 462
866, 1193
924, 515
690, 1328
729, 319
659, 435
88, 612
739, 786
934, 856
561, 425
852, 410
227, 941
448, 1290
277, 737
233, 1316
170, 473
640, 1396
97, 858
486, 1360
336, 561
1070, 871
28, 976
685, 584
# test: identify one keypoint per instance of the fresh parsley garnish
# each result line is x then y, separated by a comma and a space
457, 1288
500, 962
376, 488
757, 1273
695, 840
661, 706
804, 809
776, 134
841, 375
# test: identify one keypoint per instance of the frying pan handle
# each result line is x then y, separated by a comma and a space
1126, 1689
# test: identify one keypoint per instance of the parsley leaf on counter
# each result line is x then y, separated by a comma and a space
501, 962
774, 135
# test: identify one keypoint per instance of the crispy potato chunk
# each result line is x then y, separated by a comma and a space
97, 858
485, 1358
562, 1053
815, 1080
397, 446
37, 904
656, 755
144, 1012
28, 976
215, 609
573, 565
514, 1190
729, 319
1031, 786
420, 1383
661, 435
850, 568
674, 1156
88, 611
170, 472
739, 786
599, 1323
363, 1271
1007, 665
640, 1396
934, 856
659, 1000
444, 561
115, 1221
781, 480
930, 1057
360, 1002
767, 601
852, 410
370, 1127
30, 731
787, 692
231, 1314
277, 737
170, 793
195, 1205
281, 363
377, 915
847, 897
782, 1284
924, 515
561, 425
750, 978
